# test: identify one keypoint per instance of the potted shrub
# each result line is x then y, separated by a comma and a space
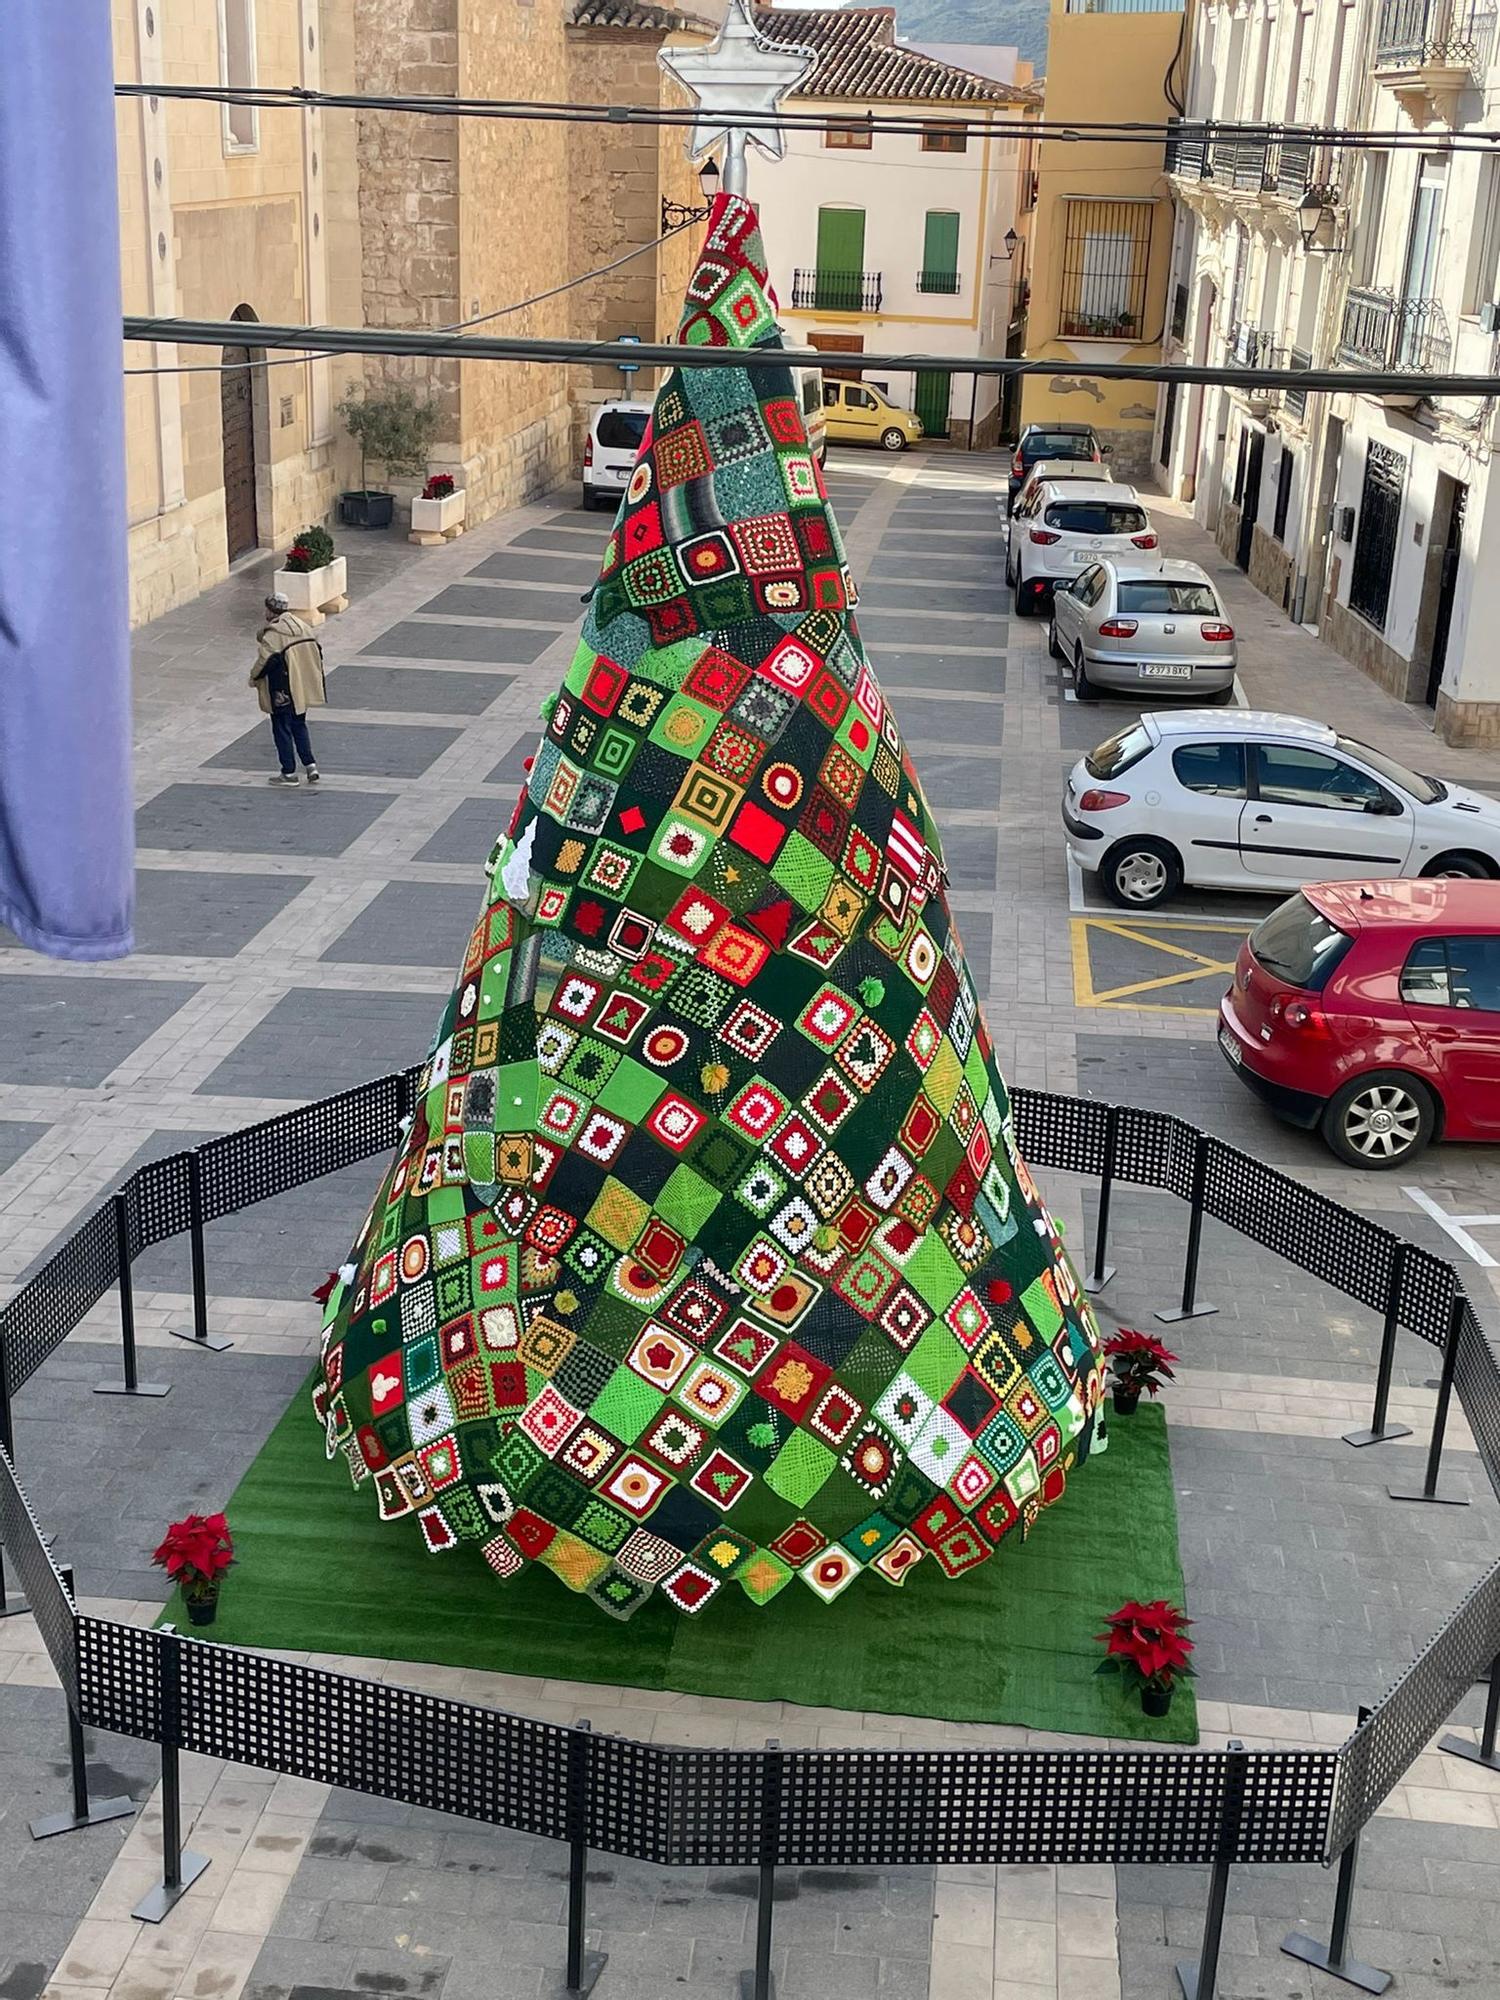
195, 1554
1137, 1361
393, 428
312, 578
1147, 1643
437, 515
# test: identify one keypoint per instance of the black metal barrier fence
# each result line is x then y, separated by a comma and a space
770, 1808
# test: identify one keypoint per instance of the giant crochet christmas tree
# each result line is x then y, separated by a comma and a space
709, 1256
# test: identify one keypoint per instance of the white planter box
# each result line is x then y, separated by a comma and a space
438, 520
312, 592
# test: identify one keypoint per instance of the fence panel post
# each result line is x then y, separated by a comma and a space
760, 1984
1199, 1977
130, 1385
1333, 1957
1428, 1490
200, 1335
1381, 1432
1482, 1752
1101, 1274
584, 1966
85, 1812
180, 1867
11, 1604
1192, 1307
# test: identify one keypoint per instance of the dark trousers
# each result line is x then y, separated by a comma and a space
290, 731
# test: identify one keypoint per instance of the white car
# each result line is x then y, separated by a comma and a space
1070, 525
609, 451
1242, 799
1045, 468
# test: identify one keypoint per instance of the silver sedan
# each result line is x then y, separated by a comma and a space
1150, 628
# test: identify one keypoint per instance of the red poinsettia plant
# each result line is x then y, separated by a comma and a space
1147, 1643
195, 1553
1139, 1361
439, 486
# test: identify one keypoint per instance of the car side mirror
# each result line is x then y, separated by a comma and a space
1106, 451
1384, 808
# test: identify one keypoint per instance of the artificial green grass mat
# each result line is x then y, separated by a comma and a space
1011, 1641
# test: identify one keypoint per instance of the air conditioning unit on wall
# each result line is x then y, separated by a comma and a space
1489, 318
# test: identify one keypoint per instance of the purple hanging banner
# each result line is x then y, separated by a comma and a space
66, 832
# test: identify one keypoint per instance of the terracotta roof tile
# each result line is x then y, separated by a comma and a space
639, 14
859, 57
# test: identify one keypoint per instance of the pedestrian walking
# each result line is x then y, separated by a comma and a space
288, 678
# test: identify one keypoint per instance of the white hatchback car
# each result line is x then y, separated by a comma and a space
609, 451
1242, 799
1071, 524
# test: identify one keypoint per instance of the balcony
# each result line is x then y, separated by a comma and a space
1275, 167
1385, 332
837, 291
1428, 52
1250, 346
938, 281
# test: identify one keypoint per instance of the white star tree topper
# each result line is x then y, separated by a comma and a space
739, 75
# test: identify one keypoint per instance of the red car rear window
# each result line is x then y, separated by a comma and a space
1297, 944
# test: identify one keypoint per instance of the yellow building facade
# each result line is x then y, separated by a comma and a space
1101, 231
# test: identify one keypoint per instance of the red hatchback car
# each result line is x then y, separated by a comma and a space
1371, 1010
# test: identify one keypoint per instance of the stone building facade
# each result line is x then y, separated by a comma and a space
403, 220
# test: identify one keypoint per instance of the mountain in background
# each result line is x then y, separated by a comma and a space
1021, 22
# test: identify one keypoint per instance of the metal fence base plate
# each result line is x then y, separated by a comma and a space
15, 1605
1368, 1978
1459, 1746
1378, 1437
1176, 1313
1095, 1281
749, 1990
1438, 1499
1187, 1978
140, 1389
215, 1342
66, 1822
157, 1902
594, 1963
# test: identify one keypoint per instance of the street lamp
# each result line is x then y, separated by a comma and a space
677, 214
1310, 212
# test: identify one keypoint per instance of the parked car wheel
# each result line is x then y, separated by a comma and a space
1010, 571
1054, 651
1380, 1120
1083, 687
1023, 601
1459, 868
1140, 873
893, 440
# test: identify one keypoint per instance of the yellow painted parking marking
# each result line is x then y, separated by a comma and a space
1153, 938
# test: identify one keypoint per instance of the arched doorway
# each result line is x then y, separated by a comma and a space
237, 411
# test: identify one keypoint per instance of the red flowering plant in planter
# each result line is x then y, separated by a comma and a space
439, 486
195, 1553
313, 549
1137, 1361
1148, 1643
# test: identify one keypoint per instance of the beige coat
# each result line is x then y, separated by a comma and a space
304, 661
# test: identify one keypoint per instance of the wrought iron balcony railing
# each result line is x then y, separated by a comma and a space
1282, 164
837, 291
1383, 331
937, 281
1441, 34
1250, 346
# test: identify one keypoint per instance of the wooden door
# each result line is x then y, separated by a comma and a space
838, 343
841, 260
934, 394
238, 413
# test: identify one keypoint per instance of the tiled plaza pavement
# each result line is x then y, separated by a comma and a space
294, 942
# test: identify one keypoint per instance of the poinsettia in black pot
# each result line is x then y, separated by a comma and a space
1137, 1361
195, 1553
1148, 1644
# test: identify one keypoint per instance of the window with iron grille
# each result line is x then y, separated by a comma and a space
1284, 473
1168, 424
944, 139
1106, 267
1375, 541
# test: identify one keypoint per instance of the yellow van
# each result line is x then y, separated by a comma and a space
857, 413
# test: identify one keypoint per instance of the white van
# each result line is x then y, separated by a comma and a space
609, 451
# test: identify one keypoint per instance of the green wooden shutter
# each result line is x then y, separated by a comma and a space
940, 251
841, 258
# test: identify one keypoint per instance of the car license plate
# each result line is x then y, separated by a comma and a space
1082, 556
1163, 670
1231, 1047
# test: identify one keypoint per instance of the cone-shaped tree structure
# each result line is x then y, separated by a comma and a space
709, 1255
